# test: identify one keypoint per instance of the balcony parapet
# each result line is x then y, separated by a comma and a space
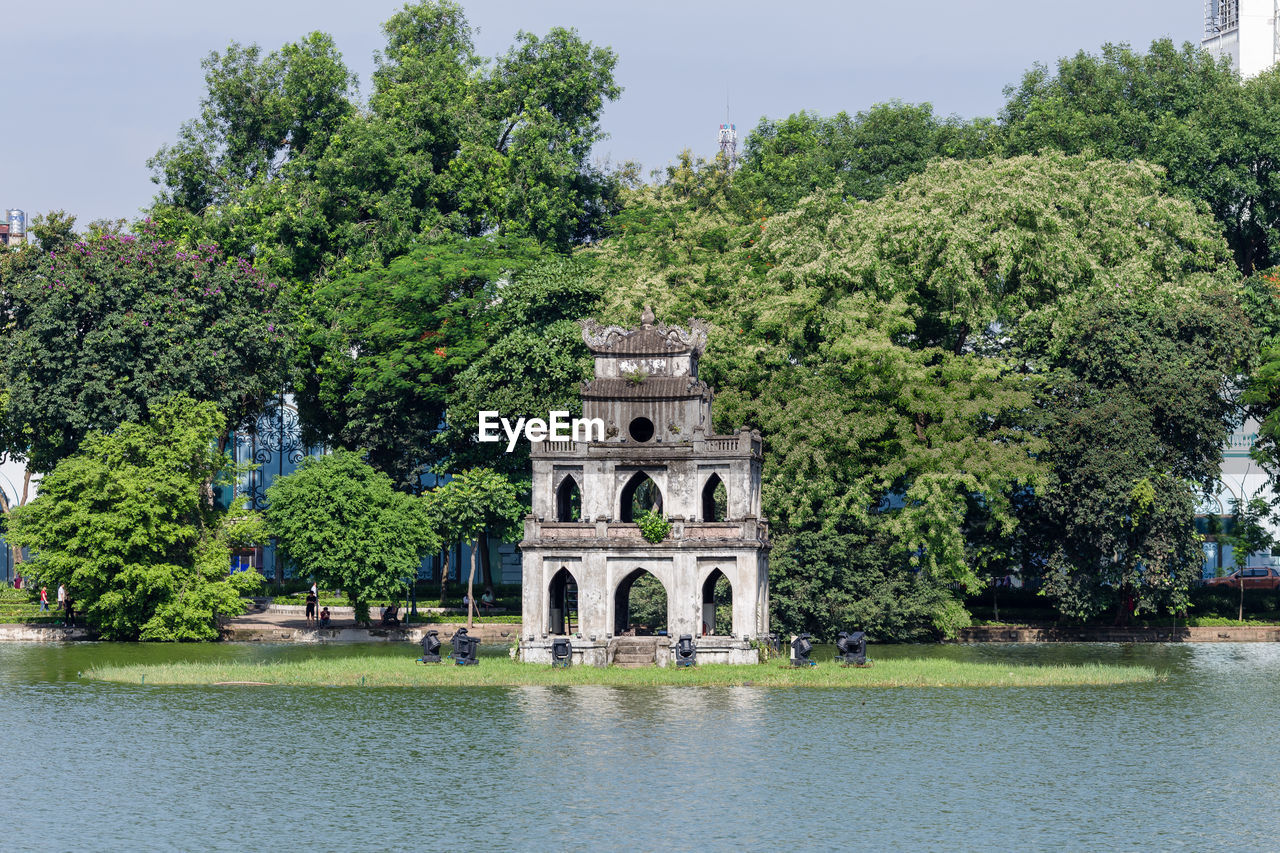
745, 442
603, 533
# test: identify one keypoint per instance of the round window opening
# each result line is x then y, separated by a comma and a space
641, 429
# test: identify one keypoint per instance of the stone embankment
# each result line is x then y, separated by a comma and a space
1101, 634
23, 633
272, 626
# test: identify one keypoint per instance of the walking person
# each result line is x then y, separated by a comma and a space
44, 598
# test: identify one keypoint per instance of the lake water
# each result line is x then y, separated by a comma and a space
1192, 762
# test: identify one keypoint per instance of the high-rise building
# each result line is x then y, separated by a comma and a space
1245, 31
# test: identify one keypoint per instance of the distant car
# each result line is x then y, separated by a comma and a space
1253, 579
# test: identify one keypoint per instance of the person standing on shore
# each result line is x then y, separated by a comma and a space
311, 606
44, 598
62, 596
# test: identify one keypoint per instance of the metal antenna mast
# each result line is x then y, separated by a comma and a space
728, 140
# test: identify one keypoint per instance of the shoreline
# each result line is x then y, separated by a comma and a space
1105, 634
259, 630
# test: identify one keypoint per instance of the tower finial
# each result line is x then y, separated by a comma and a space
646, 319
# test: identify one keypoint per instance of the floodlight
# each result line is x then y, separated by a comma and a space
800, 650
853, 647
431, 647
464, 648
686, 651
561, 652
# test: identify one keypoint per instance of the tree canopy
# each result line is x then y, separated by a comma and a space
1179, 108
125, 523
893, 352
285, 166
116, 324
342, 522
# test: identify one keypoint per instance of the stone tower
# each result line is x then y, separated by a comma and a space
582, 548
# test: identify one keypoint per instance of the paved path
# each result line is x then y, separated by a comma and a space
272, 626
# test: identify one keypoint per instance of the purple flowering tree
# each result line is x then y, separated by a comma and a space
105, 329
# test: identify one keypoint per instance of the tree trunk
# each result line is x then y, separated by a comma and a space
471, 576
26, 486
1240, 615
444, 572
486, 568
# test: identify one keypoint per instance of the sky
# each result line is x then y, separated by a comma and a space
94, 89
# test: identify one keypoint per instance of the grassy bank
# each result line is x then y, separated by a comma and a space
404, 672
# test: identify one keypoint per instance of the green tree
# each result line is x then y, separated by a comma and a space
533, 361
390, 343
1136, 416
342, 522
103, 333
126, 525
283, 165
885, 349
1180, 108
859, 157
1249, 535
471, 507
825, 583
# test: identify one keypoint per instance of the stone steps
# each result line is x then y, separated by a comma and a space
636, 652
634, 659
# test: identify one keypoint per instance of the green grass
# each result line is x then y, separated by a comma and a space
385, 671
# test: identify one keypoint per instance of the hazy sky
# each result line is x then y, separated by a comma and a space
93, 88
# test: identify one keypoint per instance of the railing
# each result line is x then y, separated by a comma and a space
747, 530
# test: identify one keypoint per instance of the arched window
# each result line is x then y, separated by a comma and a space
717, 605
640, 605
639, 495
715, 499
562, 603
568, 500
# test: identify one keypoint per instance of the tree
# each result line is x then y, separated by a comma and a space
1249, 535
859, 157
824, 583
106, 331
283, 165
125, 524
472, 506
533, 362
887, 350
342, 522
391, 342
1181, 108
1137, 412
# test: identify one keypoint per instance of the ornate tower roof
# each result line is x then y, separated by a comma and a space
649, 339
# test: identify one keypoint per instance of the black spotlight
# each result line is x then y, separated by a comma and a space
464, 648
686, 651
561, 652
853, 647
431, 647
801, 648
774, 642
